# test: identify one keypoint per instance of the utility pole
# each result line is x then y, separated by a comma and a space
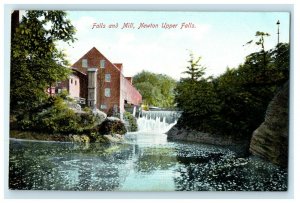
278, 23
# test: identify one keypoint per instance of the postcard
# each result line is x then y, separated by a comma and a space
149, 101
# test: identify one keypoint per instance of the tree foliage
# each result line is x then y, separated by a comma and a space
156, 89
234, 103
36, 63
195, 71
195, 96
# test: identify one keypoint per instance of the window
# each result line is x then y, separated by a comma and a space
103, 106
116, 108
107, 92
84, 63
71, 81
75, 82
102, 63
107, 77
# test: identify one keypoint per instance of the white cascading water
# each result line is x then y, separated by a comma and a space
157, 121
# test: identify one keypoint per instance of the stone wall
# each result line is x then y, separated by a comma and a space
241, 147
270, 139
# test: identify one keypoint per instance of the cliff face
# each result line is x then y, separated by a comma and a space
270, 139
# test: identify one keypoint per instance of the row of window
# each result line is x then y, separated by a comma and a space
104, 106
72, 81
85, 63
107, 79
107, 92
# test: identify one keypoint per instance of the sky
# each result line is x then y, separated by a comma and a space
216, 37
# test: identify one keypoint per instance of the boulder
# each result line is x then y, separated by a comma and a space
112, 126
270, 139
74, 106
99, 115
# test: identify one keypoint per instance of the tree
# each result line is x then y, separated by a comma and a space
156, 89
195, 96
234, 103
195, 71
36, 63
261, 42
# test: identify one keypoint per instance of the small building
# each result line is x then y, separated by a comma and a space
101, 84
75, 86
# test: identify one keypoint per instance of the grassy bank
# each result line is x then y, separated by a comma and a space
28, 135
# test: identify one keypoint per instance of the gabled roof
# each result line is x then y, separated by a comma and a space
95, 51
119, 66
76, 70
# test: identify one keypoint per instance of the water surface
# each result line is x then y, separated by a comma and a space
144, 162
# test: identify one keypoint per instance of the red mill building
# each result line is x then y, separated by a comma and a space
99, 83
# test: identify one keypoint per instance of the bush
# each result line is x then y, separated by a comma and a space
131, 120
57, 119
54, 116
111, 127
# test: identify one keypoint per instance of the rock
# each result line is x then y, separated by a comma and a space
80, 138
191, 135
112, 126
270, 139
74, 106
114, 138
182, 134
113, 119
100, 116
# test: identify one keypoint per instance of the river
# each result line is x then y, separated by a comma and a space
145, 161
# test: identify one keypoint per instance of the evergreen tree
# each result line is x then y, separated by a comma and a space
195, 71
195, 96
234, 103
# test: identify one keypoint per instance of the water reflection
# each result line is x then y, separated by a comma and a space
145, 162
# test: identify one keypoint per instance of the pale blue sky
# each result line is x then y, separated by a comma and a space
218, 38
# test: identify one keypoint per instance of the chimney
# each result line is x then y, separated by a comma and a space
92, 87
119, 66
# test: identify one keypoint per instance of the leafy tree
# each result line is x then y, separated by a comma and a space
36, 63
156, 89
234, 103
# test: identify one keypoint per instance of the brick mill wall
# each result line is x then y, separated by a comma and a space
93, 61
121, 88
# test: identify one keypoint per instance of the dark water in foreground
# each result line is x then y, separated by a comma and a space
145, 162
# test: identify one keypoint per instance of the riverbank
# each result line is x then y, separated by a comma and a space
241, 147
29, 135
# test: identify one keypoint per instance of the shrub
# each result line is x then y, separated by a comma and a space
131, 120
111, 127
57, 119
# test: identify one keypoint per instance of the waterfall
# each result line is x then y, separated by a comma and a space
157, 121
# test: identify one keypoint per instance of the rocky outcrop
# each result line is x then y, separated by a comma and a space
100, 116
241, 147
270, 139
112, 126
